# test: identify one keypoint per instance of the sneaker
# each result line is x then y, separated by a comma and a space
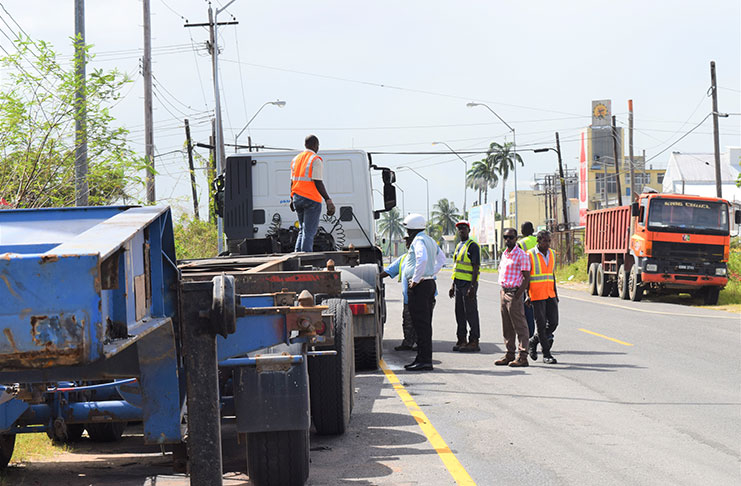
520, 362
471, 347
402, 347
549, 360
459, 345
504, 360
532, 350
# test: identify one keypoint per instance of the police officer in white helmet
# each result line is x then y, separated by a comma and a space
424, 261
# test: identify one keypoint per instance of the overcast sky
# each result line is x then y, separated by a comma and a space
396, 75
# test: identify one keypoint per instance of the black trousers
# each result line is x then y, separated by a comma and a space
466, 312
421, 303
546, 321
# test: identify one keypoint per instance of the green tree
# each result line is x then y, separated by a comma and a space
445, 215
37, 132
503, 158
482, 176
434, 231
391, 225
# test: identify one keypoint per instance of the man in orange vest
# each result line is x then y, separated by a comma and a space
542, 295
307, 192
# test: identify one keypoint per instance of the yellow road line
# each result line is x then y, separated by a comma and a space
606, 337
455, 468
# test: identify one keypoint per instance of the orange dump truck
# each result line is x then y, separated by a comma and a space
663, 243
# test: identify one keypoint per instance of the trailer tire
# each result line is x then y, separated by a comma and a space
332, 378
278, 458
106, 431
7, 445
710, 295
635, 289
622, 283
367, 356
603, 284
592, 277
72, 434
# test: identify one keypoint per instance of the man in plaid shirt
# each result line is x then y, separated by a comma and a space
514, 279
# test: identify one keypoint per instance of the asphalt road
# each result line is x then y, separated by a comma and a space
656, 403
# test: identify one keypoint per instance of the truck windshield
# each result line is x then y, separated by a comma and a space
688, 216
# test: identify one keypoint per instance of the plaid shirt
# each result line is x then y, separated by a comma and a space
511, 266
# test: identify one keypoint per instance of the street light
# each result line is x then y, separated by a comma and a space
465, 174
403, 211
514, 151
428, 187
560, 173
278, 103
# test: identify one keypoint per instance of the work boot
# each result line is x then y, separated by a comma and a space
520, 362
532, 349
549, 360
505, 360
471, 347
403, 347
459, 345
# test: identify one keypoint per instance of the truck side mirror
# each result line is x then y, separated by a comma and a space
388, 176
389, 196
635, 209
737, 217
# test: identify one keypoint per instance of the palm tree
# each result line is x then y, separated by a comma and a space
445, 215
481, 176
391, 225
434, 231
503, 158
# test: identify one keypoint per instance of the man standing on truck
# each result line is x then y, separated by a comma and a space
423, 262
397, 269
543, 297
307, 192
514, 278
467, 260
527, 243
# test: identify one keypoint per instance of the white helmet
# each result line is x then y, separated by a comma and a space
414, 221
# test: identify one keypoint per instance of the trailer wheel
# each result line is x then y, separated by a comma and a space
332, 378
603, 283
105, 431
67, 433
635, 289
710, 295
592, 274
367, 354
7, 445
622, 283
278, 458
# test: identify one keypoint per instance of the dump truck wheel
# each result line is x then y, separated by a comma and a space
710, 295
603, 283
366, 353
278, 458
635, 290
332, 378
7, 445
592, 274
106, 432
622, 283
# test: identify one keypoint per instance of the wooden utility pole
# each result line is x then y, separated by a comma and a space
212, 174
564, 202
633, 196
615, 154
148, 122
192, 170
716, 135
81, 185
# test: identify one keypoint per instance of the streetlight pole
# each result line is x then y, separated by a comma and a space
427, 183
278, 103
514, 152
465, 174
403, 211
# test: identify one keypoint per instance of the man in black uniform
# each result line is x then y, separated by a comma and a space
467, 260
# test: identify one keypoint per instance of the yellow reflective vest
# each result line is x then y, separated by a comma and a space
463, 269
527, 243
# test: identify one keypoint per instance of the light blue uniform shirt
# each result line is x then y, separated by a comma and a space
393, 270
424, 259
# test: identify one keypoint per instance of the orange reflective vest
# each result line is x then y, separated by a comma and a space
301, 171
542, 280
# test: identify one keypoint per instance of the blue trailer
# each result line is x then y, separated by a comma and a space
102, 326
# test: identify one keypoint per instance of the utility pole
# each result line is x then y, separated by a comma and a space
192, 171
716, 135
148, 123
564, 202
604, 183
615, 154
213, 27
630, 151
212, 172
81, 185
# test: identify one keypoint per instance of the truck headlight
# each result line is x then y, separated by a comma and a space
720, 272
651, 267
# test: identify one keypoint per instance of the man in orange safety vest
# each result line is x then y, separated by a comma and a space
542, 295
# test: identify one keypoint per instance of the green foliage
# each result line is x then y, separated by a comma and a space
390, 225
445, 215
434, 231
578, 269
481, 176
503, 159
731, 294
195, 239
37, 132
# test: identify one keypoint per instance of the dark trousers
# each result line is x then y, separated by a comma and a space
530, 317
410, 336
466, 312
421, 302
546, 320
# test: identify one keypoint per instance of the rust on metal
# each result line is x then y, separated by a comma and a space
9, 334
40, 359
57, 332
48, 259
10, 288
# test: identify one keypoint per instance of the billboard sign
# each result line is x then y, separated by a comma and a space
601, 113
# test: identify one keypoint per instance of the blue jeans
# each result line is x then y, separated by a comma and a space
308, 212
